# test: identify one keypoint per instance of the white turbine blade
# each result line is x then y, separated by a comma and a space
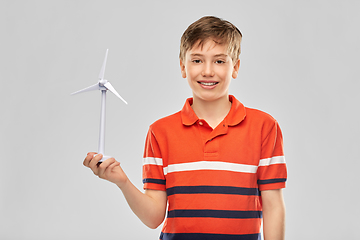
102, 71
112, 89
91, 88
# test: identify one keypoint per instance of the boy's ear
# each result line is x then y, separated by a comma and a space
236, 69
182, 68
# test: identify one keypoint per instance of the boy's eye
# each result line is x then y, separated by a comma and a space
219, 61
196, 61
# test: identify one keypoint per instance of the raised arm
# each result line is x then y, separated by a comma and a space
273, 214
150, 207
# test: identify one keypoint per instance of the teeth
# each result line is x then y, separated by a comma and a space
208, 83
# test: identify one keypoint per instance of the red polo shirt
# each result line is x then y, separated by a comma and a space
213, 177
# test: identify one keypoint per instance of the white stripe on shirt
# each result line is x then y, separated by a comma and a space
153, 161
210, 165
273, 160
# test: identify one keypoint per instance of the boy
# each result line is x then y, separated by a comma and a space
219, 165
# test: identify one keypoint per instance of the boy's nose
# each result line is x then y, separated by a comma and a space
208, 70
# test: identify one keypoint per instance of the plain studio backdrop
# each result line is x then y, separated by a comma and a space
299, 62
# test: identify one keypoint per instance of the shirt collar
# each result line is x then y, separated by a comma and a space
236, 114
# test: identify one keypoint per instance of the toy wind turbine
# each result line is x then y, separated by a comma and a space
102, 85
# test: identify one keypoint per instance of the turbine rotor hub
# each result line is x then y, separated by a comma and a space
102, 82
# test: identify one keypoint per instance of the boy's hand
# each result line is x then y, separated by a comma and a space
150, 206
109, 169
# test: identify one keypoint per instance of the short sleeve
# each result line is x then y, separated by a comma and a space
272, 172
153, 174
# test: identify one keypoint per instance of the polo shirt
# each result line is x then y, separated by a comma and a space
213, 177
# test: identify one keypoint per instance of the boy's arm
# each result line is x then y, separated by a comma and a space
150, 207
273, 214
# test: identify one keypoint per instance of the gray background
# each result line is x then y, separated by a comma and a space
299, 62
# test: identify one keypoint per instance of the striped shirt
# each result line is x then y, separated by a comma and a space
213, 177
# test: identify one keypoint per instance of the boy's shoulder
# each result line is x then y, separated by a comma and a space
169, 121
258, 114
258, 119
250, 114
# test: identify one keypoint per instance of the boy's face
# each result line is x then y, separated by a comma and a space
209, 70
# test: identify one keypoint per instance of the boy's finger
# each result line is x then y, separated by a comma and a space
93, 163
112, 166
88, 158
104, 165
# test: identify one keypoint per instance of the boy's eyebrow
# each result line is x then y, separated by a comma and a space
221, 55
200, 55
196, 55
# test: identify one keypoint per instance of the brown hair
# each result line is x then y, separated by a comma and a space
216, 29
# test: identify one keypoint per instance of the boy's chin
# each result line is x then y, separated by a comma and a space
210, 97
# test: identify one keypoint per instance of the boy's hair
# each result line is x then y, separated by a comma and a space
212, 28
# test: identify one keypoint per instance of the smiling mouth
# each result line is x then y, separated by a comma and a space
208, 83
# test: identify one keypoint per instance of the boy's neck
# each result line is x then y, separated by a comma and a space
213, 112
